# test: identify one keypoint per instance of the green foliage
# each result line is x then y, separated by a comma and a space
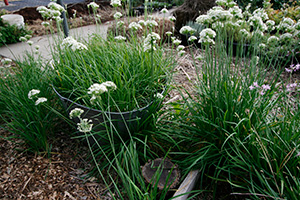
276, 4
33, 124
11, 34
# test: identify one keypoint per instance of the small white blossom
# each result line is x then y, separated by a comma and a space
192, 38
85, 125
37, 47
97, 89
272, 40
6, 61
40, 100
118, 15
187, 30
23, 39
180, 47
168, 33
76, 112
172, 18
159, 96
176, 41
30, 42
135, 26
33, 93
109, 85
115, 3
142, 22
151, 23
181, 53
73, 44
164, 10
93, 5
120, 38
55, 6
45, 24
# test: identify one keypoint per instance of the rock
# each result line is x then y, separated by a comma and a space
165, 170
14, 19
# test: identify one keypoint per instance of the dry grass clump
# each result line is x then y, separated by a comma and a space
164, 25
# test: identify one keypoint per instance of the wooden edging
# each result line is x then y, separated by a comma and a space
186, 186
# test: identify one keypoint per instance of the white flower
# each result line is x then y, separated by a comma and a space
181, 53
151, 23
187, 30
271, 25
285, 23
180, 47
37, 47
192, 38
244, 33
23, 39
217, 13
45, 24
93, 5
73, 44
159, 96
55, 6
120, 38
257, 23
118, 15
152, 38
200, 57
172, 18
76, 112
142, 22
33, 93
203, 19
208, 32
168, 33
176, 41
115, 3
260, 12
135, 26
236, 12
30, 42
164, 10
286, 37
97, 89
40, 100
109, 85
6, 61
84, 126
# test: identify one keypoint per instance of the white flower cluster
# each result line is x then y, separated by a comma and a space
85, 125
93, 5
53, 11
115, 3
207, 35
118, 15
33, 93
151, 23
286, 24
120, 38
187, 30
97, 89
135, 26
6, 62
70, 42
150, 41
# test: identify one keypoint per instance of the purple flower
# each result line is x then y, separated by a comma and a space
255, 84
288, 70
251, 87
261, 92
266, 87
297, 67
